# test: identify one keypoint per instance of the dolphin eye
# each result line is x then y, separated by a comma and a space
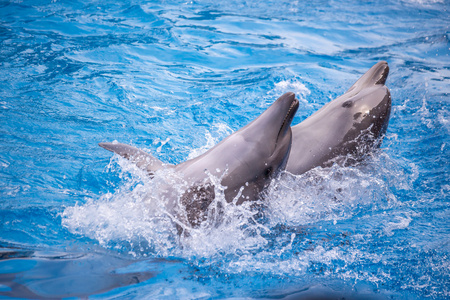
347, 104
268, 172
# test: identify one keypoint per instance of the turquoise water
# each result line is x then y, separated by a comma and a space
174, 78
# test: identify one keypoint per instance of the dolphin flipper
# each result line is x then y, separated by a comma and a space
142, 159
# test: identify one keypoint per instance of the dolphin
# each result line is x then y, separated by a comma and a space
245, 161
345, 129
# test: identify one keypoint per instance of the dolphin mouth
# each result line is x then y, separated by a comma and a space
289, 116
382, 71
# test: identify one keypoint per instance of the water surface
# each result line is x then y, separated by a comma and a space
176, 77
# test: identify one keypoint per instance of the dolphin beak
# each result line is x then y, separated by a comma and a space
381, 71
376, 75
293, 103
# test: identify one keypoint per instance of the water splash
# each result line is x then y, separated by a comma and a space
291, 218
219, 132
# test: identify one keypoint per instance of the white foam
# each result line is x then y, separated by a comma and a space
298, 88
402, 223
138, 218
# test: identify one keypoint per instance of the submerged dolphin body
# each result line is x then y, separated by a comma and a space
345, 129
245, 161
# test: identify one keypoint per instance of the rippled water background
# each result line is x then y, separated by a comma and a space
174, 78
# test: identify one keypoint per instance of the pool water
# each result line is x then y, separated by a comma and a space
176, 77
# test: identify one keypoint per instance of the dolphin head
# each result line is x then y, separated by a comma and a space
244, 162
346, 128
260, 149
369, 102
362, 113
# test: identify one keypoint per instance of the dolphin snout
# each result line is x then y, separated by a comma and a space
289, 101
383, 71
376, 75
288, 98
292, 106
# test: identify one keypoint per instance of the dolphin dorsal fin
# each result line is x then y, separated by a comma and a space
142, 159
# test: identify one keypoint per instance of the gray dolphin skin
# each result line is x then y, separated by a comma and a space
245, 161
345, 129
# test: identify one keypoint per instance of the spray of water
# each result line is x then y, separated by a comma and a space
325, 222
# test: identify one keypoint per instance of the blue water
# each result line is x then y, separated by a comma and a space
174, 78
